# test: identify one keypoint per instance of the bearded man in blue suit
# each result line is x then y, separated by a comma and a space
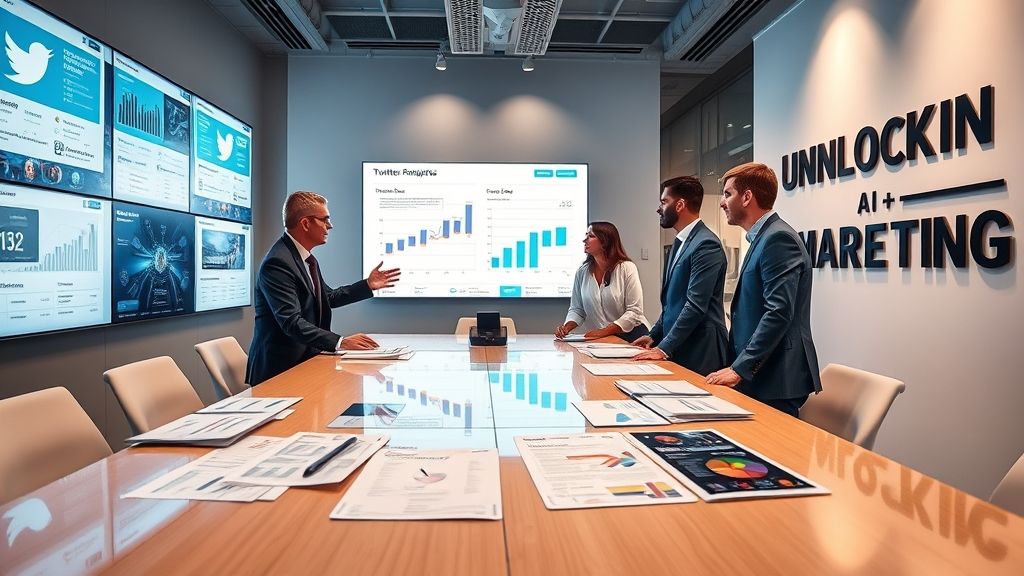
771, 353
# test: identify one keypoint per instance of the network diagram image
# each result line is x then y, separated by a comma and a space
153, 262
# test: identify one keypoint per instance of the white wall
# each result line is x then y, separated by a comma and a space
342, 111
828, 69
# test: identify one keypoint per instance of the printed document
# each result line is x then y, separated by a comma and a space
203, 429
618, 413
425, 485
660, 388
249, 405
287, 463
596, 471
624, 369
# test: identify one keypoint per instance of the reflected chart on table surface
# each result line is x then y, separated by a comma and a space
534, 398
433, 399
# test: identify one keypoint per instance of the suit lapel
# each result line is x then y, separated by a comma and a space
749, 255
684, 251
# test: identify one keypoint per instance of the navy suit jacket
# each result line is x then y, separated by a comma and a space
770, 341
691, 328
290, 326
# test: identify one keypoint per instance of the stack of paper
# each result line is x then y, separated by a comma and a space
677, 409
308, 459
623, 351
638, 388
619, 369
204, 429
572, 338
618, 413
249, 405
398, 353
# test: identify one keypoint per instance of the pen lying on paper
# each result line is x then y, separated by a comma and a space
316, 466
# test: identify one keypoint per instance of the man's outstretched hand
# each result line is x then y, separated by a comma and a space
383, 278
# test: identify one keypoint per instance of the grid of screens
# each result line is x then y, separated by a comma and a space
131, 197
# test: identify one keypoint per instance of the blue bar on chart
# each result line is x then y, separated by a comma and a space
388, 248
445, 406
412, 240
401, 244
545, 399
469, 415
423, 237
533, 249
560, 236
545, 238
520, 386
469, 218
506, 258
445, 231
456, 410
560, 401
495, 262
458, 226
423, 398
412, 393
520, 254
533, 388
506, 382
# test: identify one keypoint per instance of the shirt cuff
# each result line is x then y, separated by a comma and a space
338, 345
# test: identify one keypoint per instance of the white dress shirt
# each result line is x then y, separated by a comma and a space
594, 305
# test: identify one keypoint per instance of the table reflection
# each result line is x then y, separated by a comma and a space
427, 399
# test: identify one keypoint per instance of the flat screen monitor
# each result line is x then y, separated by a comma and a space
152, 131
54, 261
485, 230
54, 104
222, 157
223, 264
153, 262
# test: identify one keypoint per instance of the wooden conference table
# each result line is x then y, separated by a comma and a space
881, 518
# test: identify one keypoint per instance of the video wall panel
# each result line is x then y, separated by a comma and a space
222, 179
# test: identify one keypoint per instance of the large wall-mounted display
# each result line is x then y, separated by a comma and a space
153, 262
468, 230
152, 130
84, 120
54, 261
54, 109
222, 162
223, 264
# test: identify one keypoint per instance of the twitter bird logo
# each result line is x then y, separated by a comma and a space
31, 514
224, 146
29, 67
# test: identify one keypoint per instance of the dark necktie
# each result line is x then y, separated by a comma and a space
314, 272
672, 256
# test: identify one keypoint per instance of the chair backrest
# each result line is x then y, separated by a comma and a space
46, 436
152, 392
852, 403
467, 322
1009, 494
225, 360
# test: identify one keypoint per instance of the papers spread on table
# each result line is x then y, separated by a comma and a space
249, 405
616, 352
679, 409
425, 485
397, 353
204, 429
572, 338
589, 345
360, 414
287, 463
716, 467
618, 413
203, 479
660, 388
624, 369
595, 471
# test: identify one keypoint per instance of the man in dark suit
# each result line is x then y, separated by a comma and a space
771, 351
691, 329
293, 303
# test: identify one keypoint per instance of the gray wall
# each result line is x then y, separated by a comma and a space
194, 46
342, 111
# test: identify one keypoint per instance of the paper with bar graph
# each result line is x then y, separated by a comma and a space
475, 230
596, 471
425, 485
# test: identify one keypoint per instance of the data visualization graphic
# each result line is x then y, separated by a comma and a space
153, 262
54, 261
224, 264
475, 230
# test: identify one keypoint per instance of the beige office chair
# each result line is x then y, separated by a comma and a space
1009, 494
467, 322
46, 436
852, 403
225, 360
152, 392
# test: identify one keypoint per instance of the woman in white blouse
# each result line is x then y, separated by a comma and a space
606, 296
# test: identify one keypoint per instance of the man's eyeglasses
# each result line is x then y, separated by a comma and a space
325, 219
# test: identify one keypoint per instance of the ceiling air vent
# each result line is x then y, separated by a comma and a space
735, 17
465, 26
290, 22
533, 31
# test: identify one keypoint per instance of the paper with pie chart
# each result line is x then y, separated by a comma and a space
404, 484
717, 467
596, 471
618, 413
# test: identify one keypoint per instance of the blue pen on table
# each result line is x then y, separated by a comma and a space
316, 466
